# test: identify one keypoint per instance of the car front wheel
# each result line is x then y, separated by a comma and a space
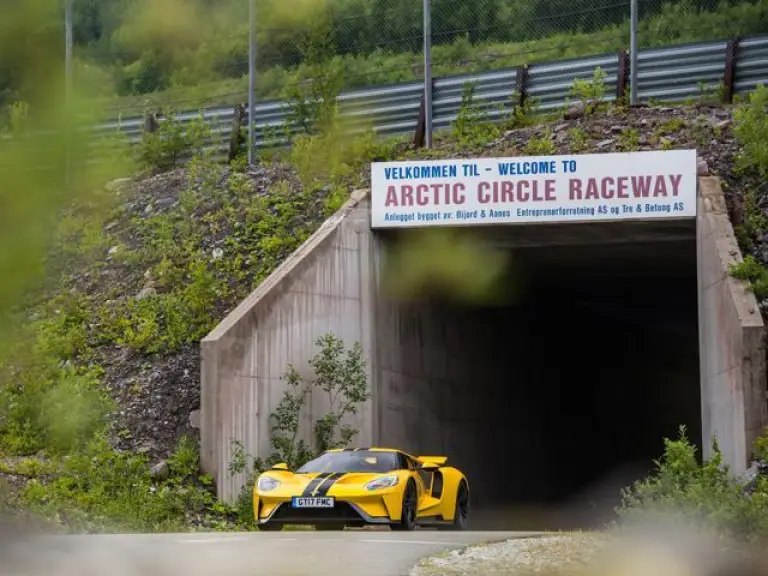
461, 516
408, 515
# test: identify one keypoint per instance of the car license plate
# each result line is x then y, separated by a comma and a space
312, 502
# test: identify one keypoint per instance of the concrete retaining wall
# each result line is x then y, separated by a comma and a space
731, 335
324, 286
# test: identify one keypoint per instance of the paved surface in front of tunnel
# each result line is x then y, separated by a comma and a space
287, 553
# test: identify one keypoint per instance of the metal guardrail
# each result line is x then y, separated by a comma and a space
670, 74
679, 73
751, 64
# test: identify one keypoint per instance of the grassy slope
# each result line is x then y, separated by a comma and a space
137, 281
671, 26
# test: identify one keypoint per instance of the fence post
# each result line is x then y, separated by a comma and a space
729, 74
633, 53
68, 35
251, 76
622, 79
428, 86
521, 81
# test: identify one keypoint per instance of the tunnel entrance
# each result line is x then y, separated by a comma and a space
554, 398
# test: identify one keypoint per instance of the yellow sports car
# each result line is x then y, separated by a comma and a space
358, 486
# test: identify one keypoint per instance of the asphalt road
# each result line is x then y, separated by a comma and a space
351, 553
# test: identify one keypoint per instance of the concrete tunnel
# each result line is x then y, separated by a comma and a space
564, 388
611, 336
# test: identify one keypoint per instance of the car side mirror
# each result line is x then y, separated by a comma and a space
280, 466
429, 466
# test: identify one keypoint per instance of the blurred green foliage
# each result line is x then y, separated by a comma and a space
704, 492
191, 52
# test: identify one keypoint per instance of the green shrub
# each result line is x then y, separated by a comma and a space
754, 274
100, 488
173, 142
751, 128
472, 127
704, 492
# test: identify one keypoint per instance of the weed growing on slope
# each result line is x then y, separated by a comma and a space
173, 142
590, 93
751, 129
540, 145
754, 274
472, 128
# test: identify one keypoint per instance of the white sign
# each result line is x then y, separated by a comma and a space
515, 190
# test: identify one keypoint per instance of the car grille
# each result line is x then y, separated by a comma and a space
341, 512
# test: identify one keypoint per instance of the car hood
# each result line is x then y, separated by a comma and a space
335, 479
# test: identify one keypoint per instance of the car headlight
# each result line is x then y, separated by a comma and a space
383, 482
265, 484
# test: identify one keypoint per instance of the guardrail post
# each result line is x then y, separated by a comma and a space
729, 74
236, 135
150, 122
622, 76
522, 84
420, 135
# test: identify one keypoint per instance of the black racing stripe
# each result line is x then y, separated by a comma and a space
327, 483
314, 483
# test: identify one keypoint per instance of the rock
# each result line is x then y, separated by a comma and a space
702, 168
146, 293
116, 185
574, 112
163, 203
604, 143
217, 254
160, 471
723, 124
617, 129
113, 250
560, 127
194, 419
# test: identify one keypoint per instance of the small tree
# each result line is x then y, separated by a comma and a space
338, 372
341, 374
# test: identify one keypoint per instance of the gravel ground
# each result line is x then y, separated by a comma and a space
560, 554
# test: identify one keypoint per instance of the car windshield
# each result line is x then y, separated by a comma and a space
351, 461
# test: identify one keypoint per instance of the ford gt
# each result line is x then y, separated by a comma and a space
363, 486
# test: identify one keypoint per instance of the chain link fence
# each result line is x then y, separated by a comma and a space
186, 54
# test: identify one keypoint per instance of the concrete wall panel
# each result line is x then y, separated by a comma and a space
324, 286
731, 332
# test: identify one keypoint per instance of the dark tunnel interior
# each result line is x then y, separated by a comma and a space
589, 364
610, 340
